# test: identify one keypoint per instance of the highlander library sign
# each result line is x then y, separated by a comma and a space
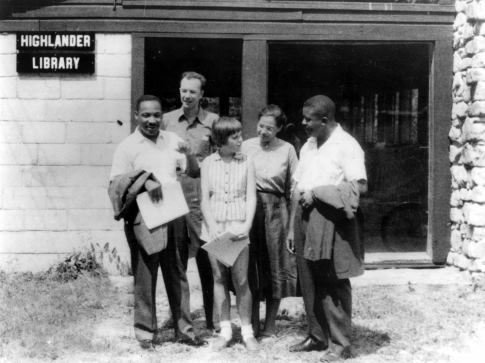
55, 52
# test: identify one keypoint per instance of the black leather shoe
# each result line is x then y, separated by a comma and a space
190, 338
308, 345
168, 324
147, 344
157, 340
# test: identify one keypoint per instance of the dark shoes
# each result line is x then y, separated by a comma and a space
308, 345
157, 339
147, 344
189, 338
335, 354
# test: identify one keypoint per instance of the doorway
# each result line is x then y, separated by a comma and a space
219, 60
382, 94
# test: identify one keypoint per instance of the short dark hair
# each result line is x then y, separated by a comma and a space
223, 128
144, 98
321, 106
195, 75
274, 111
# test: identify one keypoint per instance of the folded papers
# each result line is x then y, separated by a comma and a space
172, 206
225, 248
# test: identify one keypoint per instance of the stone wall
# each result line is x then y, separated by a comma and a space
467, 138
57, 137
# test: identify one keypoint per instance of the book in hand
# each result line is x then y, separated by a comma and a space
172, 205
226, 247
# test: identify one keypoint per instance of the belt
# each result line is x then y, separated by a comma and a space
277, 194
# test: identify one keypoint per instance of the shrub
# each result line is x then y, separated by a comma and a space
76, 264
93, 262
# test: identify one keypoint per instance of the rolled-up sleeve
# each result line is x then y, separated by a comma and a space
353, 164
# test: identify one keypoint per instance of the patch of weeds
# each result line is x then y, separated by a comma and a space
83, 262
90, 262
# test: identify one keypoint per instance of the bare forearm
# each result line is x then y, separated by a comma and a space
250, 211
295, 198
250, 196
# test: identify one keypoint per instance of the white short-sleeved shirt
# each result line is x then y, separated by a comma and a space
338, 159
136, 152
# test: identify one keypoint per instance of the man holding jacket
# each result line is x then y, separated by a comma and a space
324, 230
145, 160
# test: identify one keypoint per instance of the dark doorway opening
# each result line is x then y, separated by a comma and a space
219, 60
381, 91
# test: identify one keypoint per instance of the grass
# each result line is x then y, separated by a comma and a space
41, 317
90, 320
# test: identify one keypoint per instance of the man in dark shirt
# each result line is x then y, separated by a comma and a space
194, 124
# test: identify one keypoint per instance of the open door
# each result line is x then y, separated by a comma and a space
382, 94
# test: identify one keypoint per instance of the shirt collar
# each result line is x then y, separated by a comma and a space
201, 116
140, 138
312, 141
237, 156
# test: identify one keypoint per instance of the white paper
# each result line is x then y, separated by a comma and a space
172, 206
226, 250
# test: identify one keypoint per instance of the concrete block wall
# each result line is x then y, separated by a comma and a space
467, 138
57, 137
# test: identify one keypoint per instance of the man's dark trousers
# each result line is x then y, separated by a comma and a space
327, 299
328, 303
145, 272
193, 222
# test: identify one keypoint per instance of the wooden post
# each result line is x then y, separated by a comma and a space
439, 168
254, 83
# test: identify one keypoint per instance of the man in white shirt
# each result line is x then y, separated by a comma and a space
324, 231
161, 153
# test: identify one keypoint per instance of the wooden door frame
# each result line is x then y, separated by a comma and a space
255, 85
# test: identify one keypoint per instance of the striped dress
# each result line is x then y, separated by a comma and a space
227, 189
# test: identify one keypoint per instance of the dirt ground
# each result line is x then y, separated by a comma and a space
423, 316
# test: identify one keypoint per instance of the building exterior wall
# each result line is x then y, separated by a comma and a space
57, 138
467, 139
57, 134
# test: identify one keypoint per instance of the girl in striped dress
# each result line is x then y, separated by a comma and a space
228, 204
